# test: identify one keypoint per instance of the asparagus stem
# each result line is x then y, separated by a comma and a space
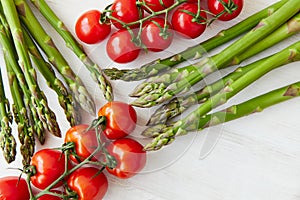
178, 105
79, 91
46, 115
223, 59
257, 104
194, 52
7, 140
25, 130
64, 98
287, 30
191, 122
58, 25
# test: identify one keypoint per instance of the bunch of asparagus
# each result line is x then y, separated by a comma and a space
178, 105
24, 41
263, 30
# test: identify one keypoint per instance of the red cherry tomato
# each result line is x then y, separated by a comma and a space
88, 184
182, 21
11, 188
89, 29
49, 165
120, 47
85, 141
125, 11
158, 5
154, 37
217, 8
130, 156
121, 119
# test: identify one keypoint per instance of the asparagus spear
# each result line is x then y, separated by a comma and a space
177, 105
221, 60
96, 72
191, 122
46, 115
64, 98
25, 131
79, 91
251, 106
156, 66
7, 140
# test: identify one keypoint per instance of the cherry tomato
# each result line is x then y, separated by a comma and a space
154, 37
182, 21
121, 119
120, 47
192, 1
85, 141
125, 11
158, 5
130, 156
89, 29
216, 7
88, 184
13, 188
49, 165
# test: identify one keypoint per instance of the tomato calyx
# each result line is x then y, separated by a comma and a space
30, 170
164, 33
197, 18
229, 8
104, 18
225, 10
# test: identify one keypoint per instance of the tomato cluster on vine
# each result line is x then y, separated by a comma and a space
150, 24
75, 171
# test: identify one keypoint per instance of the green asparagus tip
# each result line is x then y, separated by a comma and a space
7, 141
114, 73
154, 131
158, 142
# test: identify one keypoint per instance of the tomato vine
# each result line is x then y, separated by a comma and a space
133, 14
67, 150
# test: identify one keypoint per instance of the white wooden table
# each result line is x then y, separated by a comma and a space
255, 158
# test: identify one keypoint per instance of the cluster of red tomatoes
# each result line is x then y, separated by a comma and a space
86, 182
136, 30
